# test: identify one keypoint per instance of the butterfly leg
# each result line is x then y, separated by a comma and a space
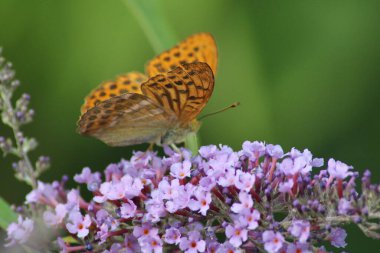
150, 148
175, 148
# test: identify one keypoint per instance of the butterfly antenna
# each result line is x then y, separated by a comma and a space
233, 105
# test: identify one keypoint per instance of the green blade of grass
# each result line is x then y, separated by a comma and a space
152, 21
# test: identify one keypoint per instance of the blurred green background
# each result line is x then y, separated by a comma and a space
306, 73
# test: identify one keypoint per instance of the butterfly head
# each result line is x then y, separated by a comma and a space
179, 133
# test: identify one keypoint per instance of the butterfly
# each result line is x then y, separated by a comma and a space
160, 107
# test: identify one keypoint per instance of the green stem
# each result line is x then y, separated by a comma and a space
161, 36
153, 23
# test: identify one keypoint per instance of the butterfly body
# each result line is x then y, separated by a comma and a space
179, 133
160, 108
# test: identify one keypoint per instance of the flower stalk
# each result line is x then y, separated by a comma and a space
15, 115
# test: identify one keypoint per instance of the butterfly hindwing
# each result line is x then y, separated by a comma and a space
202, 80
184, 90
129, 82
200, 47
126, 120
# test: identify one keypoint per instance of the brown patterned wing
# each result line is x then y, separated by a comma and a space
125, 120
200, 47
184, 90
129, 82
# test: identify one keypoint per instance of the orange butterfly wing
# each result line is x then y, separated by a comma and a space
130, 82
200, 47
184, 90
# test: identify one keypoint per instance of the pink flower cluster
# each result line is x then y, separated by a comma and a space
218, 201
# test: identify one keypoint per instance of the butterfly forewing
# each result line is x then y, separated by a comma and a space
199, 47
130, 82
184, 90
126, 120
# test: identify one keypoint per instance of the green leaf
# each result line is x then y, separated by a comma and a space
6, 214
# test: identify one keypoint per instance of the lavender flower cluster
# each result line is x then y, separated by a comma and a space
258, 199
15, 115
